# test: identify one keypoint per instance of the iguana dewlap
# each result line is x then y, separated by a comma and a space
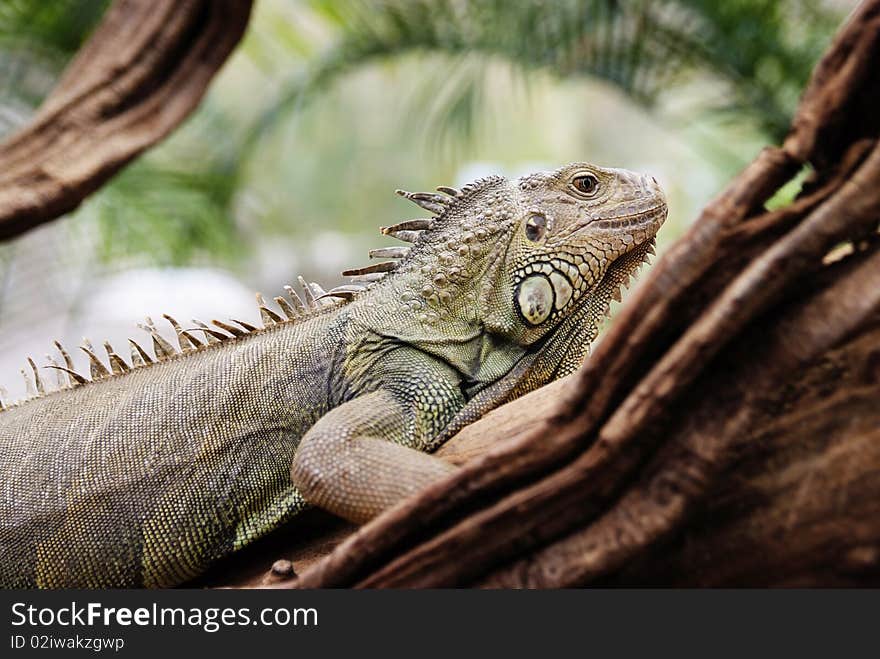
153, 467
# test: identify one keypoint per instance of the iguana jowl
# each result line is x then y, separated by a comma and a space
146, 473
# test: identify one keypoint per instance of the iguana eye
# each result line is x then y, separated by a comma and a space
585, 184
536, 227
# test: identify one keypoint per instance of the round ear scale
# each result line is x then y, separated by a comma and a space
535, 299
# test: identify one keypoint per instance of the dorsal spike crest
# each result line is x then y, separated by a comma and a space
117, 364
139, 356
40, 388
297, 301
368, 279
384, 266
312, 298
28, 384
232, 329
161, 347
186, 340
286, 308
97, 369
346, 292
211, 335
390, 253
320, 295
268, 316
247, 327
68, 362
431, 202
408, 225
308, 296
75, 378
403, 235
452, 192
192, 339
60, 380
64, 355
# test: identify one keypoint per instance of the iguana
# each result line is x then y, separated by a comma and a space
146, 472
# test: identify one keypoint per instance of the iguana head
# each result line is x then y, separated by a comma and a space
568, 228
520, 256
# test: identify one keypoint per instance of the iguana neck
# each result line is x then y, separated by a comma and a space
432, 300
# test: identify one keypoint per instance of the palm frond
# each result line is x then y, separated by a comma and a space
158, 214
760, 50
175, 204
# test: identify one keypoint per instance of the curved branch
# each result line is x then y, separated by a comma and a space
139, 76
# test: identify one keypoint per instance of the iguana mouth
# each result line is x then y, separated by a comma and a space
635, 220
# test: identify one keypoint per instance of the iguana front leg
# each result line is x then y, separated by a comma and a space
367, 454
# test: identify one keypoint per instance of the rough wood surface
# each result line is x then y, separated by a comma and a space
798, 503
145, 68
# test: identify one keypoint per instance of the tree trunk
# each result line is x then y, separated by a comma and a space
143, 71
725, 431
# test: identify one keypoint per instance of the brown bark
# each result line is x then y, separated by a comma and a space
143, 71
724, 431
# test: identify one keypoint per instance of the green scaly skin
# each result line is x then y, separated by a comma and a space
146, 477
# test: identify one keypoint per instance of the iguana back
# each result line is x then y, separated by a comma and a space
190, 456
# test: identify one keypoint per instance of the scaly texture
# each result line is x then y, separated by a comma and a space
145, 473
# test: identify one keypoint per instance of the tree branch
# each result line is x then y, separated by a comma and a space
141, 73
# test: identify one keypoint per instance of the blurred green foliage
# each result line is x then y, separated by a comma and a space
159, 206
761, 51
53, 30
271, 150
